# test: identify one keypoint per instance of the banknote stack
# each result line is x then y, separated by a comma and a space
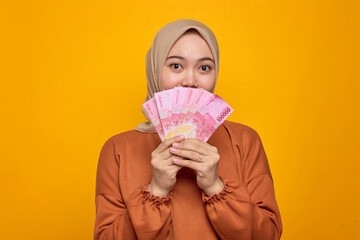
192, 112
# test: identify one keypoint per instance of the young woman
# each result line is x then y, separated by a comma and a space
185, 188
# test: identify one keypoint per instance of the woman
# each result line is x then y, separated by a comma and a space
185, 188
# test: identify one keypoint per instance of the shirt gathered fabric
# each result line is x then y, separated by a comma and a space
245, 209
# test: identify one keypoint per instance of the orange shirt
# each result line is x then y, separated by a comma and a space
246, 208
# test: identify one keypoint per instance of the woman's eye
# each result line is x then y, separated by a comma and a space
175, 65
205, 67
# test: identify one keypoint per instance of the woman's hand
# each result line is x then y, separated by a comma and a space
164, 171
204, 159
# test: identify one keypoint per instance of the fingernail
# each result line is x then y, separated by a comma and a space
175, 160
181, 136
173, 149
175, 144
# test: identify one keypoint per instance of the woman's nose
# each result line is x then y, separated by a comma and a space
190, 80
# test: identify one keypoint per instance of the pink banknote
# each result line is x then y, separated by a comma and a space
164, 104
209, 117
189, 99
178, 99
152, 111
195, 113
201, 97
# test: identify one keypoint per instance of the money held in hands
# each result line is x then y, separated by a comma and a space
192, 112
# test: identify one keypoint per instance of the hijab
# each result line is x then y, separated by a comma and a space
161, 46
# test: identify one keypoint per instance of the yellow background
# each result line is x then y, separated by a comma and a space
73, 74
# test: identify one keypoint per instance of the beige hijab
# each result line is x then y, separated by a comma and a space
162, 44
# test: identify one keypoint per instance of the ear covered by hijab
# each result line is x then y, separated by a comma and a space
162, 44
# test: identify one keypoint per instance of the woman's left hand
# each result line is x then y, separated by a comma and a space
203, 159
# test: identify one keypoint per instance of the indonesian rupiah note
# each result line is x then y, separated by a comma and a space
178, 99
152, 111
195, 113
194, 99
209, 117
163, 101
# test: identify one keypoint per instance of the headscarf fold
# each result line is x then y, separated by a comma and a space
161, 46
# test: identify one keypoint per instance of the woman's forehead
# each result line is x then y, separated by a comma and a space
191, 44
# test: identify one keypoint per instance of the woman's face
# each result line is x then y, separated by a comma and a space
189, 64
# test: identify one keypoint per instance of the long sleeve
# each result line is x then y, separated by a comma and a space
112, 217
247, 210
151, 215
144, 216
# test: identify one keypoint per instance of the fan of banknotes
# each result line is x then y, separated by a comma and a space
192, 112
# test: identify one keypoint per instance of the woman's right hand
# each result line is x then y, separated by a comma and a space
164, 170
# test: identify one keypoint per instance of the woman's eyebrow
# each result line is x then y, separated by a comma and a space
182, 58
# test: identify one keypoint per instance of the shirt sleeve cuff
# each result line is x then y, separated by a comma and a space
154, 200
217, 196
